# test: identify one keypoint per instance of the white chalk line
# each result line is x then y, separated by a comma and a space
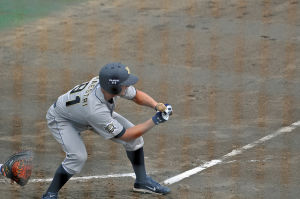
233, 153
86, 178
81, 179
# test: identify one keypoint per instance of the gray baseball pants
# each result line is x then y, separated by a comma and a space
67, 133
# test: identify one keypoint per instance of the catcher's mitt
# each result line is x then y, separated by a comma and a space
18, 167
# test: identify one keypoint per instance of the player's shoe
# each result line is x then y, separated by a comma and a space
150, 186
50, 195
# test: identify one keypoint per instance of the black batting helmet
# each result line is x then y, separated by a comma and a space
114, 75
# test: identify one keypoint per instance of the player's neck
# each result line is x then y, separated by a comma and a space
107, 96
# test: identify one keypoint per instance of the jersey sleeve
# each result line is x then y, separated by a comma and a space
130, 93
103, 124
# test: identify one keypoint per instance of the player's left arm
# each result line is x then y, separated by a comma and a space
144, 99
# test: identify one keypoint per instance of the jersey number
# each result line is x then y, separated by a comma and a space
76, 89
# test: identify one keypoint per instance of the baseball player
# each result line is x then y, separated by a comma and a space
91, 105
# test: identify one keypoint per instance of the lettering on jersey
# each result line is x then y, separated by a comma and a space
89, 90
110, 128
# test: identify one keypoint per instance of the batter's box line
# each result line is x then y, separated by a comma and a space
233, 153
80, 179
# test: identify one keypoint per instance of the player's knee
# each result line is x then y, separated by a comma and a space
81, 157
74, 162
134, 144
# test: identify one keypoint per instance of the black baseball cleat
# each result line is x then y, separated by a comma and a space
150, 186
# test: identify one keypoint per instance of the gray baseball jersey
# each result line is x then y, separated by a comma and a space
86, 106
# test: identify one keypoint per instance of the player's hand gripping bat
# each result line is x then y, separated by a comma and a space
166, 110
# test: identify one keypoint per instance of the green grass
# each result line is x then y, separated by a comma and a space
19, 12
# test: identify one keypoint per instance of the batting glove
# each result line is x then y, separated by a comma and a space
160, 117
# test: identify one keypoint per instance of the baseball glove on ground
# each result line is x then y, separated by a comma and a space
18, 167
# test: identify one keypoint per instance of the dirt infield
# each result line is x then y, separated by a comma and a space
230, 68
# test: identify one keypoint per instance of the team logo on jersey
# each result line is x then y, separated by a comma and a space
110, 127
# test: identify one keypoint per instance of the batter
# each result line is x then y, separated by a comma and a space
90, 105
